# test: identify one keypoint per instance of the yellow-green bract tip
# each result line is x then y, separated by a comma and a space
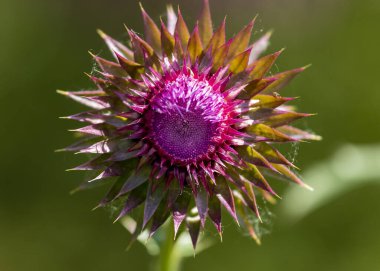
307, 66
101, 33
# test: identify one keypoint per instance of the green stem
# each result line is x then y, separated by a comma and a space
169, 259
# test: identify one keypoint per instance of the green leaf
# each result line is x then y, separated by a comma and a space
347, 169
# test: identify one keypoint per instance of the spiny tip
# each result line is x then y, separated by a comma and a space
277, 196
141, 7
170, 7
259, 217
254, 18
118, 218
87, 74
97, 207
258, 241
308, 187
75, 190
269, 33
101, 33
92, 54
62, 92
127, 28
280, 51
307, 66
294, 166
220, 235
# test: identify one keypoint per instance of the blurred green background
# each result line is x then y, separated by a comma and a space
43, 46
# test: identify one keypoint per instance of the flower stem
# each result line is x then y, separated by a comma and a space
169, 259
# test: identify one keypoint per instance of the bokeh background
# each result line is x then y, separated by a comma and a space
43, 46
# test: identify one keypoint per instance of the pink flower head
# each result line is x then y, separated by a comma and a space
187, 123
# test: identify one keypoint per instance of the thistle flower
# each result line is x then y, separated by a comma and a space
187, 123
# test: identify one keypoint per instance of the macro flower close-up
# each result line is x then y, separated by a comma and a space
188, 121
175, 135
